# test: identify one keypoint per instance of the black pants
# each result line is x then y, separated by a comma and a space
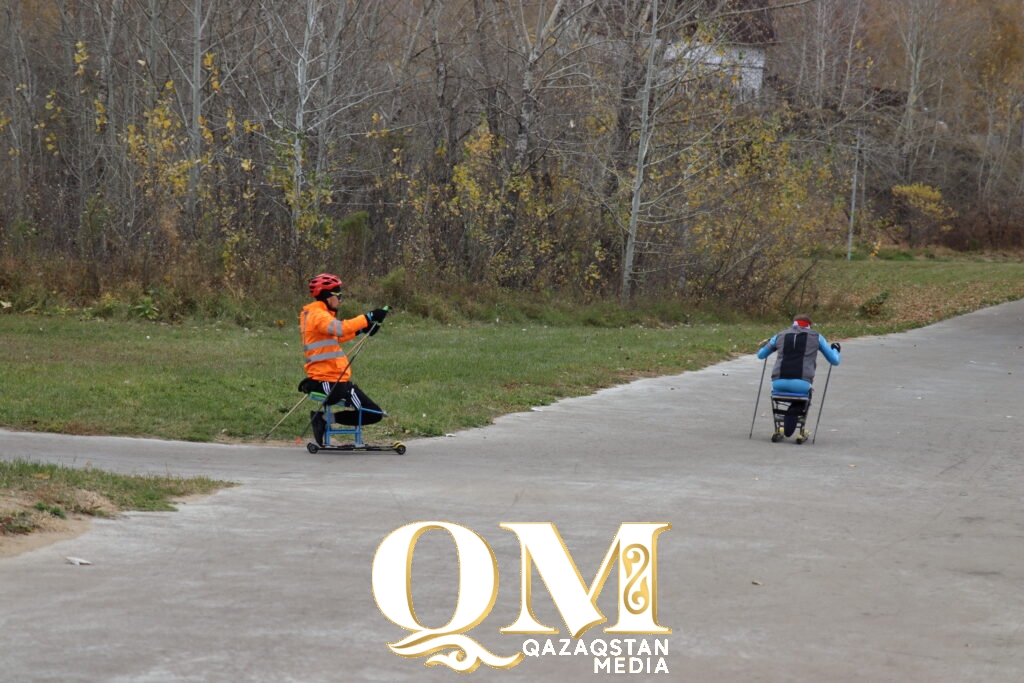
346, 395
796, 410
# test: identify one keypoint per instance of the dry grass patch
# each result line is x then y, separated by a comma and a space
38, 498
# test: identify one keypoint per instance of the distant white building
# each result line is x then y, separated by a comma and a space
741, 66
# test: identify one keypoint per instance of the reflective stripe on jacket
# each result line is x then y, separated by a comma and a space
322, 334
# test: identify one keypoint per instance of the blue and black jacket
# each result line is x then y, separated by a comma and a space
798, 349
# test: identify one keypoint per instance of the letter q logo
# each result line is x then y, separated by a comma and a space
478, 590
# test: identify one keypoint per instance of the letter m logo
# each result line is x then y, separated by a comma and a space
634, 548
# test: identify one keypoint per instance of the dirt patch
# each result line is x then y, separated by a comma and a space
43, 528
29, 527
58, 530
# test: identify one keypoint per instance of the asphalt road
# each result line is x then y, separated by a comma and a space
889, 550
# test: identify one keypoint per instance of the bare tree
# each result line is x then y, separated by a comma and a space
17, 111
820, 54
924, 32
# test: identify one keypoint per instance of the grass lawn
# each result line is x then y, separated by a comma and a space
209, 381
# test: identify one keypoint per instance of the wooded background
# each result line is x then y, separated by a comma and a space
599, 150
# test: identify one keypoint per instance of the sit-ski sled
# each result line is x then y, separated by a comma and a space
790, 414
322, 441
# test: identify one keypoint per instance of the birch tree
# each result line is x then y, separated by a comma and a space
324, 55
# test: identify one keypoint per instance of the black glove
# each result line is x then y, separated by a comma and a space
837, 347
376, 317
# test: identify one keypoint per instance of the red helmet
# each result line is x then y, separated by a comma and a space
324, 282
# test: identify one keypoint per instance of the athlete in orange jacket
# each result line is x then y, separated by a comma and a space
327, 367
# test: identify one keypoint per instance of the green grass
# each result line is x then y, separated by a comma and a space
217, 381
57, 491
212, 382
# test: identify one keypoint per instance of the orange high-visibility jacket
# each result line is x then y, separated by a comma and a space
322, 334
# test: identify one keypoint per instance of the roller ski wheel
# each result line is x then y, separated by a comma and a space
399, 447
803, 436
312, 447
777, 437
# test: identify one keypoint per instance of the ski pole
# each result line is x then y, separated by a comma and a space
758, 401
821, 405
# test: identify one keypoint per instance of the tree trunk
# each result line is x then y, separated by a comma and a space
646, 130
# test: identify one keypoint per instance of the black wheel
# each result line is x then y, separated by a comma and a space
776, 437
399, 448
312, 447
799, 441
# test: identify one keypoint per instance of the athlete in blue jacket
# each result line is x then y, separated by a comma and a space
793, 372
798, 349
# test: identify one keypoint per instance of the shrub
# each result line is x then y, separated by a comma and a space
872, 308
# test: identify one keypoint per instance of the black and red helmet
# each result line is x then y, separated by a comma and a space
324, 283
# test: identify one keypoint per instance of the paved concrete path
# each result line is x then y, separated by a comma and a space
890, 550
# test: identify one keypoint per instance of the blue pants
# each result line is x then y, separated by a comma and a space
791, 386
